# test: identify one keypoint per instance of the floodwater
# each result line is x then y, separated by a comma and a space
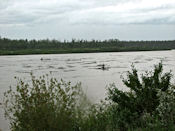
94, 70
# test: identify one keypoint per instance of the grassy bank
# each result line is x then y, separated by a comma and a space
23, 47
72, 50
48, 104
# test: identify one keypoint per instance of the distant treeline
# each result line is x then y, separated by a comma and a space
55, 46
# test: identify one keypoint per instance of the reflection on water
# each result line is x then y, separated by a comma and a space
94, 70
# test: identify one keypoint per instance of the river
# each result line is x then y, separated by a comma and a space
84, 68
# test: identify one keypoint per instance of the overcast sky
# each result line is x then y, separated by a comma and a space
88, 19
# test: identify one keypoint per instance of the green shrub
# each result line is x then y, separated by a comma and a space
96, 118
166, 108
45, 105
144, 97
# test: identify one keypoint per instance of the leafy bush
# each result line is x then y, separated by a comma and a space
166, 108
96, 118
143, 99
45, 105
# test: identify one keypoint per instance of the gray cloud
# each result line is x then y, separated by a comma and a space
65, 16
29, 11
129, 13
87, 12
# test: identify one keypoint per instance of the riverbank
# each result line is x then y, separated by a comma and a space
25, 47
72, 50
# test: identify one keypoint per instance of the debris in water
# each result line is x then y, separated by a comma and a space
102, 67
44, 59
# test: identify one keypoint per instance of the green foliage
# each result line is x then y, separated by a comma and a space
144, 99
45, 105
166, 108
96, 118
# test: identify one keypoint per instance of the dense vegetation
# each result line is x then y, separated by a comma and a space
49, 105
8, 46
